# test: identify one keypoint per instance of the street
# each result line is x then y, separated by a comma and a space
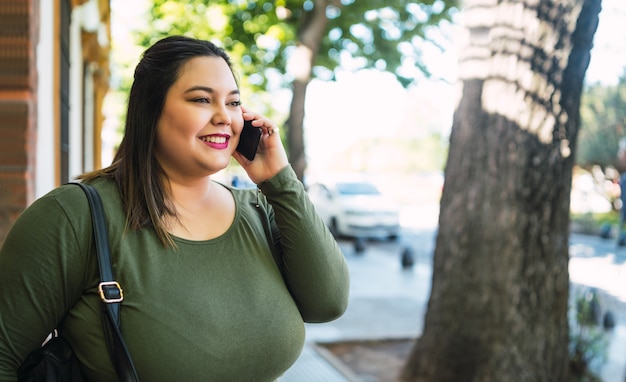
388, 301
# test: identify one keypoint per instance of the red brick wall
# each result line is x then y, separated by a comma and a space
18, 105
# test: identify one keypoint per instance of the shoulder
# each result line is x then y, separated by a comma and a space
250, 202
59, 203
67, 205
72, 199
58, 220
247, 197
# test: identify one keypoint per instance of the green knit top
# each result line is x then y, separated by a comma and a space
227, 309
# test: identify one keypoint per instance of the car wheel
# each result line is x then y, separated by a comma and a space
359, 245
334, 227
407, 258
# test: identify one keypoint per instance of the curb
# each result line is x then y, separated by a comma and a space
335, 362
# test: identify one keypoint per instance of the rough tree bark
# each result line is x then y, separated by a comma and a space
300, 65
499, 299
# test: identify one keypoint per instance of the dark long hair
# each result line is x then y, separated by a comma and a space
136, 171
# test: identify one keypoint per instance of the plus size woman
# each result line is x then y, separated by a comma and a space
217, 281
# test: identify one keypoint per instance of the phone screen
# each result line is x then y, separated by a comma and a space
249, 140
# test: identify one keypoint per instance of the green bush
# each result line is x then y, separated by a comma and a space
593, 223
588, 342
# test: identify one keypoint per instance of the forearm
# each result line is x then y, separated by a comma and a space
314, 267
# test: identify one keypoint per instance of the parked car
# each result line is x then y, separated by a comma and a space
355, 209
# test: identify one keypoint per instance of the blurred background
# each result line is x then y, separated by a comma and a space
363, 120
368, 98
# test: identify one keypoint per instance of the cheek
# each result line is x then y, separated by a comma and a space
164, 130
170, 133
176, 123
161, 146
237, 125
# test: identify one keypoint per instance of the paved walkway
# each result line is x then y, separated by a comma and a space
389, 302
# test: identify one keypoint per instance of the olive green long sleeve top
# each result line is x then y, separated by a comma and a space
228, 309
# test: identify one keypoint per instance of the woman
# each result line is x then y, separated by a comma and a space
217, 281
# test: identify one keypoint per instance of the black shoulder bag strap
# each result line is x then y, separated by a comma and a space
110, 292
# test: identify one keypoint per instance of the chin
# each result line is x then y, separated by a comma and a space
220, 164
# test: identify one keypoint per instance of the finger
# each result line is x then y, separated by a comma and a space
272, 130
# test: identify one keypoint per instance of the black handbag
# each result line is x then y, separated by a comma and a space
55, 360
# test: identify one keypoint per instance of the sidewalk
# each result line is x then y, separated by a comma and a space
385, 302
599, 263
389, 302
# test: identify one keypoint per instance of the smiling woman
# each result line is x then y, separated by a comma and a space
201, 114
252, 266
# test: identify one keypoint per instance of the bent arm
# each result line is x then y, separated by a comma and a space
314, 267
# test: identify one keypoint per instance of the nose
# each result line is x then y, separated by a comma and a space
221, 116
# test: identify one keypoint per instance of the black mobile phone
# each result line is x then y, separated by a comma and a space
249, 140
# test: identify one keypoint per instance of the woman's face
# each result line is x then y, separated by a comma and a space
200, 118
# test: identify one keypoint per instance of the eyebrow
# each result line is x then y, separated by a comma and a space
208, 90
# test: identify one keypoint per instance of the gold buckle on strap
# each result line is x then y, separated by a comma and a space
104, 298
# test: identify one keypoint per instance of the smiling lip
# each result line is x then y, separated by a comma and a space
216, 141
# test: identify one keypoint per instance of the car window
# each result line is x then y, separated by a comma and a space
319, 191
354, 188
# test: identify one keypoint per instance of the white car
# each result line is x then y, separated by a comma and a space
355, 209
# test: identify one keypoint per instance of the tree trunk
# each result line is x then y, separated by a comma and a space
295, 130
310, 33
499, 298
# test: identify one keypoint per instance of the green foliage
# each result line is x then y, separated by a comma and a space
384, 37
262, 35
593, 223
264, 40
599, 218
588, 342
603, 123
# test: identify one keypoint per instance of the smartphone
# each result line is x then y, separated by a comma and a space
249, 140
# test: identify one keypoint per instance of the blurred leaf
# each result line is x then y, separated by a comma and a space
261, 35
603, 124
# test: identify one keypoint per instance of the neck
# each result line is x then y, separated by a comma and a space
190, 192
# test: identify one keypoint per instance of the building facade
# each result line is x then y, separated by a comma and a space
54, 73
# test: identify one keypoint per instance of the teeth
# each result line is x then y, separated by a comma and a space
213, 139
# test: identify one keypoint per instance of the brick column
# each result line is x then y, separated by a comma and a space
19, 23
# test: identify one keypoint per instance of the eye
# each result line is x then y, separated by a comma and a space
201, 100
235, 103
